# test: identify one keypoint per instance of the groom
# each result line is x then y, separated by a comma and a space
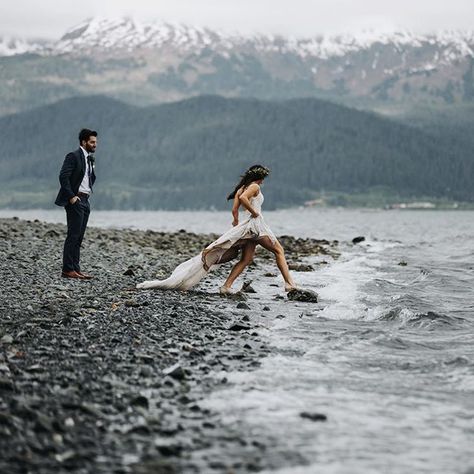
77, 177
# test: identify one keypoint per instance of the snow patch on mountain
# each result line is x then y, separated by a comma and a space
127, 34
12, 46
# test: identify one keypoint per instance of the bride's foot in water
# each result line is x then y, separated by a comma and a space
226, 290
289, 287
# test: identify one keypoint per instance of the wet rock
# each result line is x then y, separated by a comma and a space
51, 233
6, 339
313, 416
247, 287
6, 384
65, 456
306, 296
238, 296
403, 263
239, 327
168, 447
131, 304
69, 422
146, 371
140, 401
243, 305
175, 371
300, 267
129, 272
266, 308
43, 423
147, 359
358, 240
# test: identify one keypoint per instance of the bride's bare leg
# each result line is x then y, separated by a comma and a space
277, 250
229, 255
248, 252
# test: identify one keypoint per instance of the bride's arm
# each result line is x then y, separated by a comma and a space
235, 209
244, 198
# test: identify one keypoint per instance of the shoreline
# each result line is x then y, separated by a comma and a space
97, 378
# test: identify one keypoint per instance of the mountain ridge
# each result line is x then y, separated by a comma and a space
158, 62
126, 32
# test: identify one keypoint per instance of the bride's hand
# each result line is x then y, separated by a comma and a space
235, 222
255, 215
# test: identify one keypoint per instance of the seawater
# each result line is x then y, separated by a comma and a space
387, 355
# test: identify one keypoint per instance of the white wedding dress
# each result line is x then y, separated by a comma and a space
192, 271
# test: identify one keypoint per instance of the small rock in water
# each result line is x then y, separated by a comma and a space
307, 296
6, 384
247, 287
357, 240
175, 371
313, 416
403, 263
168, 447
266, 308
300, 267
129, 272
140, 401
243, 305
238, 296
239, 327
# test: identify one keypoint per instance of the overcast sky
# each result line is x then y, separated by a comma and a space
50, 18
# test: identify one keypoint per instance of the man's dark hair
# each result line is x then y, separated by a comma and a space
85, 133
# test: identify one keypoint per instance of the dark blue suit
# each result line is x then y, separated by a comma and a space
70, 177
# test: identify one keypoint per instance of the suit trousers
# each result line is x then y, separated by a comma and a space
77, 216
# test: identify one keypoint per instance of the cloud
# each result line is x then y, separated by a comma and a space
50, 18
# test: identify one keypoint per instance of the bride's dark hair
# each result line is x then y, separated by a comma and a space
254, 173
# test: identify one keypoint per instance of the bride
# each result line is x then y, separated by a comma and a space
244, 235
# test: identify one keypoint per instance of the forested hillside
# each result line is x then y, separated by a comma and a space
189, 154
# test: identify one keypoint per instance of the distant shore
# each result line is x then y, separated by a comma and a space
98, 378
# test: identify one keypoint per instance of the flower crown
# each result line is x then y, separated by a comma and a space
260, 171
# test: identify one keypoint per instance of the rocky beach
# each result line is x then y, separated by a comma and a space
96, 377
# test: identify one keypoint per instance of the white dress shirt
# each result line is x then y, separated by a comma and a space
84, 187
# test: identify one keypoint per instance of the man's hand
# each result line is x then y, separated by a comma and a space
235, 222
255, 215
74, 199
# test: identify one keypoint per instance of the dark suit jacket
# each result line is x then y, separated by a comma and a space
71, 176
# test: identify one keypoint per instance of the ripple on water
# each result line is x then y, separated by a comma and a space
429, 319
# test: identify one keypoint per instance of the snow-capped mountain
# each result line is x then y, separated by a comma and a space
13, 46
126, 34
155, 62
119, 34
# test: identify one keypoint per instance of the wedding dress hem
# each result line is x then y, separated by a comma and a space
190, 272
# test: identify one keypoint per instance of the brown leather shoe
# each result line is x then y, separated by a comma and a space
72, 274
85, 276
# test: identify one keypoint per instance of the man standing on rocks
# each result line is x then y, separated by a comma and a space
77, 177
